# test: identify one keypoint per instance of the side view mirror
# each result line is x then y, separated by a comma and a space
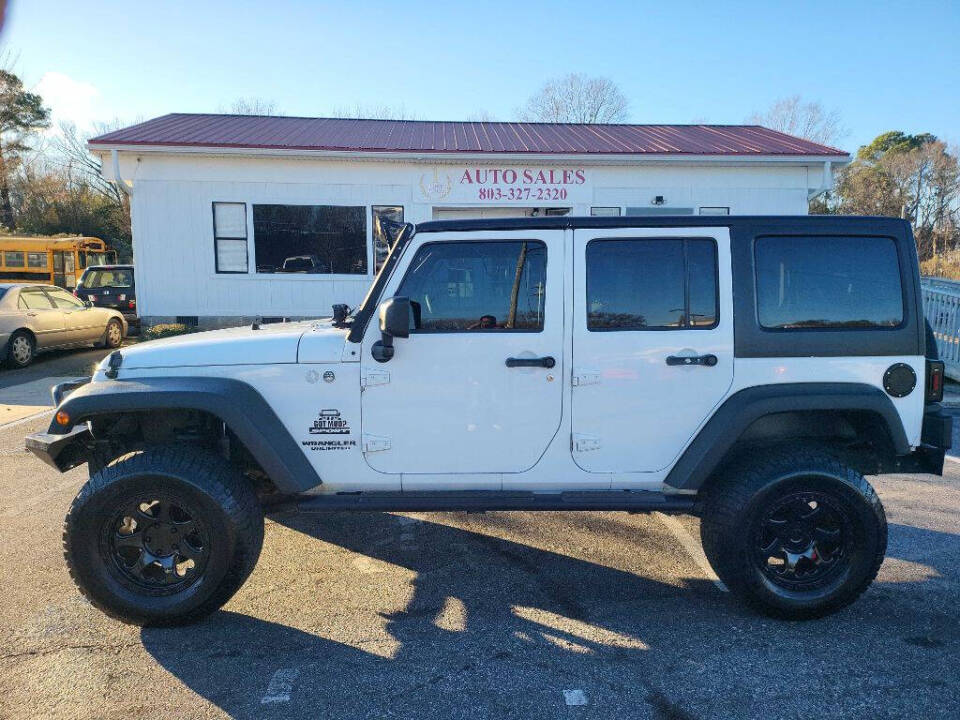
394, 323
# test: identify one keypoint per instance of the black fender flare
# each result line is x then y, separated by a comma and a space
735, 415
236, 403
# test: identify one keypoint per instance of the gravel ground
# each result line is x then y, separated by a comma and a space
506, 615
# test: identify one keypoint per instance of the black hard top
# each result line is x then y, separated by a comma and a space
783, 223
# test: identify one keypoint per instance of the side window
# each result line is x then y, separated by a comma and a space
828, 282
655, 284
477, 286
13, 258
63, 300
34, 300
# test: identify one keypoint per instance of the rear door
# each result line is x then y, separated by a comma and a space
474, 390
44, 319
82, 324
652, 343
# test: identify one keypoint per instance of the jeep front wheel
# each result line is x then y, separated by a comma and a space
796, 535
164, 536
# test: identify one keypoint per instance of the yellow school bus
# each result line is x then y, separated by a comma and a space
50, 260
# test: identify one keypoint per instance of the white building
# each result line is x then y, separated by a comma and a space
237, 217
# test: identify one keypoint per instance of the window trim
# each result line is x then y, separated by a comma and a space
479, 331
217, 238
700, 210
686, 285
904, 300
618, 208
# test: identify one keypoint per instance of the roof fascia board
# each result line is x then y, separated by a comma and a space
453, 158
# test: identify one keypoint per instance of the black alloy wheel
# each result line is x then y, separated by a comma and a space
158, 543
802, 540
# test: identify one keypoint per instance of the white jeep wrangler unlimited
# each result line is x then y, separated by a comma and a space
749, 370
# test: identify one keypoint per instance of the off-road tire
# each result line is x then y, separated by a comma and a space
15, 360
734, 502
223, 500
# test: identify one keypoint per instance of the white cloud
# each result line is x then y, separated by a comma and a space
69, 100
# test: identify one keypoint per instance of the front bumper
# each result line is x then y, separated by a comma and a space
62, 452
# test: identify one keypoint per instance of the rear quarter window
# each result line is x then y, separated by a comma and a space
828, 282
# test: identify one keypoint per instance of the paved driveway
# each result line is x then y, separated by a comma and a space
503, 615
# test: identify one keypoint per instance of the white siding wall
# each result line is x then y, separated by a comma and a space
173, 223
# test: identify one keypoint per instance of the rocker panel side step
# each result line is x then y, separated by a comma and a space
482, 500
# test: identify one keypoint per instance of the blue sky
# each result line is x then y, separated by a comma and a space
677, 62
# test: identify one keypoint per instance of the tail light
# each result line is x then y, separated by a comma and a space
934, 380
132, 304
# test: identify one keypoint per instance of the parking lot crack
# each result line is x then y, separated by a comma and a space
62, 648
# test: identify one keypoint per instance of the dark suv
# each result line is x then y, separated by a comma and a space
111, 286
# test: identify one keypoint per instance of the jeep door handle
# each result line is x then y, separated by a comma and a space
544, 362
707, 360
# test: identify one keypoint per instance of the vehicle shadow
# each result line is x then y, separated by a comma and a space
532, 623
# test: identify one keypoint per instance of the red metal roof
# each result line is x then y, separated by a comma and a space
418, 136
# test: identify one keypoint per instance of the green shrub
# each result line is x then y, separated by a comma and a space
155, 332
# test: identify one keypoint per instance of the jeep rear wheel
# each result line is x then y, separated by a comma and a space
798, 535
164, 536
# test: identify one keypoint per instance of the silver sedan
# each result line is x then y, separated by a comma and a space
34, 318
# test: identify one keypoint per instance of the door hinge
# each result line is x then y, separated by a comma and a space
585, 443
375, 443
374, 377
586, 377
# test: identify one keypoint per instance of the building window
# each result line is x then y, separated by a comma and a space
36, 260
714, 211
605, 211
477, 286
828, 282
13, 259
230, 237
640, 284
659, 211
387, 222
310, 239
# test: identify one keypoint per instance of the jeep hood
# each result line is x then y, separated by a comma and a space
271, 344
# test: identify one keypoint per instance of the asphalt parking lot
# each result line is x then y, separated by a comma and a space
505, 615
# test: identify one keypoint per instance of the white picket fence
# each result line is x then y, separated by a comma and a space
941, 305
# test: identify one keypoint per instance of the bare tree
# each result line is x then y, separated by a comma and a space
480, 116
360, 111
251, 106
577, 98
917, 179
806, 119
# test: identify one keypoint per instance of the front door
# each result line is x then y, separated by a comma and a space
652, 343
475, 390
